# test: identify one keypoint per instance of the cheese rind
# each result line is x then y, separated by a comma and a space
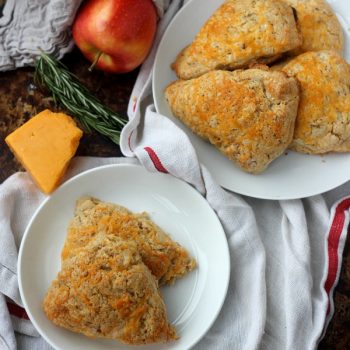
44, 146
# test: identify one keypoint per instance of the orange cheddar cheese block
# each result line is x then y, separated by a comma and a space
44, 145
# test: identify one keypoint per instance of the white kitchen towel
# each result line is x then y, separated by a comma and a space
285, 259
285, 255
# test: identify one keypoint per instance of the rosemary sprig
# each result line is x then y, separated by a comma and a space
68, 91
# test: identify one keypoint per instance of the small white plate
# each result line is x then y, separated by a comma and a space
193, 302
292, 175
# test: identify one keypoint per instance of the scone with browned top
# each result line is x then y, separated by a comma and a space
105, 290
166, 259
238, 34
323, 120
248, 114
318, 25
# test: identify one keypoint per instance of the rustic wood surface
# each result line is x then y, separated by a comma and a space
21, 98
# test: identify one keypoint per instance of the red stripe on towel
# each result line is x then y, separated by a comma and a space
155, 159
17, 311
335, 232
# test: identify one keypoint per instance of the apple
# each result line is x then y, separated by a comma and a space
116, 35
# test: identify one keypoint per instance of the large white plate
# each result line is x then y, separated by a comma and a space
290, 176
193, 302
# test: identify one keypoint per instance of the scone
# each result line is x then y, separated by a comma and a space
248, 114
166, 259
319, 26
323, 121
105, 290
239, 34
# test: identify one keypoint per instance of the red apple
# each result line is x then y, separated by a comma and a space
115, 34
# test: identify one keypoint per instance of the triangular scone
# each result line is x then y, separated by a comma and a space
323, 121
318, 25
105, 290
166, 259
238, 34
248, 115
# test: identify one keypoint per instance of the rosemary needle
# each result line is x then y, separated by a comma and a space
69, 92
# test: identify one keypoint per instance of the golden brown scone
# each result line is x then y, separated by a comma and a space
106, 291
318, 25
166, 259
238, 34
248, 114
323, 121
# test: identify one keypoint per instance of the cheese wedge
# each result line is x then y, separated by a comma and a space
44, 146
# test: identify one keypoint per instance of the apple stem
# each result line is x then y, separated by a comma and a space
95, 61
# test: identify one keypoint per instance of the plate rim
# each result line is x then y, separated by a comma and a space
226, 252
300, 194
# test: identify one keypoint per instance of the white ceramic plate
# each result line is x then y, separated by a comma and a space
290, 176
193, 303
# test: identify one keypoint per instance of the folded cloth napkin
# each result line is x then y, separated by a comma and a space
285, 255
28, 26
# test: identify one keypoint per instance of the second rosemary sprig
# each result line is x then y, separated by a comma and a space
81, 103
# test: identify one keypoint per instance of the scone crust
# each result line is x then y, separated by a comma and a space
106, 291
248, 115
239, 34
323, 120
166, 259
318, 25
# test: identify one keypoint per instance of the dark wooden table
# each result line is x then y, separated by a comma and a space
20, 99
